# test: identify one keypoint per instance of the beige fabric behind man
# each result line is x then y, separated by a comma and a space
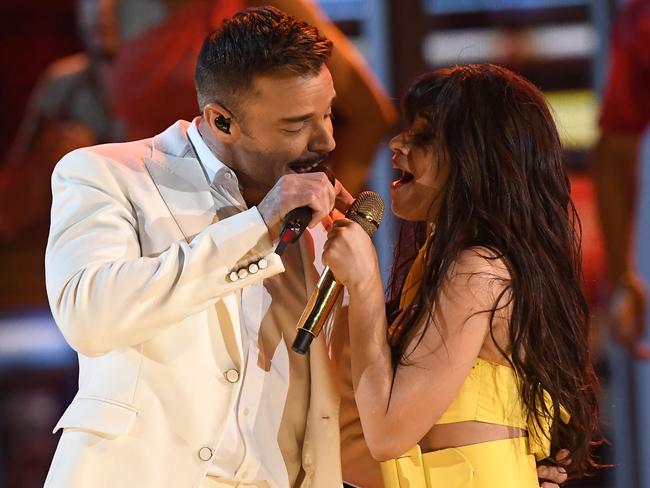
288, 292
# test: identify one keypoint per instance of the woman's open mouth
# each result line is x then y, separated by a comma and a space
403, 180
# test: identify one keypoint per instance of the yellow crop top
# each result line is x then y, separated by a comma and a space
490, 393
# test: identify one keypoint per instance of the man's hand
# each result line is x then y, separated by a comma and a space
553, 476
627, 315
297, 190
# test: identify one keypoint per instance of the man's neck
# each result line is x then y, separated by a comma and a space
214, 147
250, 191
252, 196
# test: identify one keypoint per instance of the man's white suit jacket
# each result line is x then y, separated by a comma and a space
137, 271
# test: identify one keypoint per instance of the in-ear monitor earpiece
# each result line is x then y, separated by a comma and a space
223, 124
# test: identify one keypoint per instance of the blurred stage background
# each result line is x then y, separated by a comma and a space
561, 45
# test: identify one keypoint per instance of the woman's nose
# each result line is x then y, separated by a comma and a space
398, 145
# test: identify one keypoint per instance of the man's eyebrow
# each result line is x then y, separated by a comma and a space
297, 118
302, 118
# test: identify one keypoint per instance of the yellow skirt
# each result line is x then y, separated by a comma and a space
504, 463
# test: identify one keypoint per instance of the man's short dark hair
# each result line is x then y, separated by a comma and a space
256, 41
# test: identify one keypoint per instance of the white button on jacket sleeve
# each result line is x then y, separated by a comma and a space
205, 453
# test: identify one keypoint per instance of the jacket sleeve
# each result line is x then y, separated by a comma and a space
103, 293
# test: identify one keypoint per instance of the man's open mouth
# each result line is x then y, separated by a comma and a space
308, 166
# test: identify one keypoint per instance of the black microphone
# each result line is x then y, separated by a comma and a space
294, 225
367, 211
296, 221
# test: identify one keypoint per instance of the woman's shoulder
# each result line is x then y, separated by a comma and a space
477, 280
480, 263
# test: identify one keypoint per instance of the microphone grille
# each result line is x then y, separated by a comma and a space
367, 211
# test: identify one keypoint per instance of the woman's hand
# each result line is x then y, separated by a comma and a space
350, 255
554, 476
627, 312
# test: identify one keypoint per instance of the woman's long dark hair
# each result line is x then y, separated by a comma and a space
507, 191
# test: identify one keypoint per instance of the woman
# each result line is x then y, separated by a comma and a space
485, 365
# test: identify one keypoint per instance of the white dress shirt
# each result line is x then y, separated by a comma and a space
249, 450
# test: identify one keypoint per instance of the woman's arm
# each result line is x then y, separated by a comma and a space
438, 364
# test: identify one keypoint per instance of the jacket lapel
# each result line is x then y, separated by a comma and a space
180, 180
184, 187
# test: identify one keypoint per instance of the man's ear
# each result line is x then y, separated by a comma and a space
221, 122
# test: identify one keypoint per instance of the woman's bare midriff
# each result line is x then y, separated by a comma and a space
464, 433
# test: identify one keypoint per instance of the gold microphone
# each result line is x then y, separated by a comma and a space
367, 211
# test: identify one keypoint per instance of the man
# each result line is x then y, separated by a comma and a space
67, 110
623, 120
161, 274
155, 276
